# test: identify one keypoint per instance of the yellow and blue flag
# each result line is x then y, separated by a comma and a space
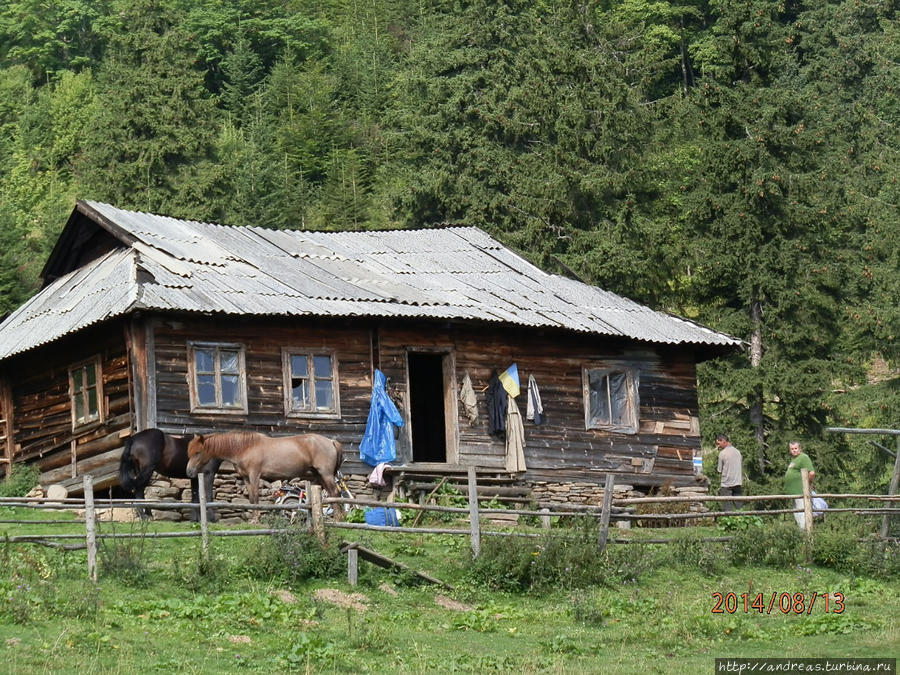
509, 378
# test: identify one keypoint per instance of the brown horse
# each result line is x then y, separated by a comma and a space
256, 456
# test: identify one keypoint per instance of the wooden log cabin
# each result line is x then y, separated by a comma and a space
149, 321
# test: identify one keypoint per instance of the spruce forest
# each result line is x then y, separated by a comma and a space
731, 161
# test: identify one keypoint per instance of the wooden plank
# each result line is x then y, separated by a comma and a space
388, 563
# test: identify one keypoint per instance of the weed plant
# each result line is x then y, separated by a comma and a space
20, 481
568, 559
294, 555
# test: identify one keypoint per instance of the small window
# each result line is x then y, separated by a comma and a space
218, 381
86, 392
611, 399
310, 384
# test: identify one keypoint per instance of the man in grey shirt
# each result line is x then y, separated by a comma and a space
730, 469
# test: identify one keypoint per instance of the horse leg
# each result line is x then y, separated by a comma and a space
330, 486
209, 483
195, 499
253, 493
143, 511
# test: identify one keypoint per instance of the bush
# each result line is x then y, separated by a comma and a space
295, 555
569, 560
777, 545
20, 481
691, 551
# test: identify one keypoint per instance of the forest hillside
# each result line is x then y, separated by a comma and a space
731, 161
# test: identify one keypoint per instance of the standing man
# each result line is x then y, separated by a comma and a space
730, 469
793, 481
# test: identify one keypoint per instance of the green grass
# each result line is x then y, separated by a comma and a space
157, 608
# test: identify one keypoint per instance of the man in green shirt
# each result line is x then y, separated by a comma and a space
793, 482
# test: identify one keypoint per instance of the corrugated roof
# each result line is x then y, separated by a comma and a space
451, 273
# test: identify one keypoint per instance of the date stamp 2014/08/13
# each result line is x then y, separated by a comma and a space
785, 603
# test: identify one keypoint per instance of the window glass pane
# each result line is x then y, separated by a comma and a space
324, 398
230, 392
229, 362
79, 409
206, 390
77, 379
599, 403
299, 394
299, 365
322, 366
618, 398
93, 409
204, 361
91, 373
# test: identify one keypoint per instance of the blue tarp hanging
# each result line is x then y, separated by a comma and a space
378, 443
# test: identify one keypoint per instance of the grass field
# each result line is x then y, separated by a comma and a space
265, 605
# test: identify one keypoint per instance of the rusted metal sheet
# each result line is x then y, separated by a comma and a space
458, 273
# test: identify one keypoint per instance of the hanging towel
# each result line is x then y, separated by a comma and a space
510, 380
496, 402
534, 409
515, 438
467, 398
378, 443
376, 478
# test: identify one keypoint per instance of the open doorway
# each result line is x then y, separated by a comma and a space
428, 387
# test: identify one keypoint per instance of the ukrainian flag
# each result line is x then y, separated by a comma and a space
509, 378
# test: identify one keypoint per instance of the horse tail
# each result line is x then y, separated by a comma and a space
126, 470
339, 451
133, 475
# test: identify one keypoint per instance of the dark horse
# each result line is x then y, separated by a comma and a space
154, 450
256, 456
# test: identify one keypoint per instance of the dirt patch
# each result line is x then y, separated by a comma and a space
286, 597
450, 603
335, 597
387, 589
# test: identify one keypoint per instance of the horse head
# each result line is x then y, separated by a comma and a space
198, 455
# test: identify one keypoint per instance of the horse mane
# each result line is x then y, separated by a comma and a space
229, 443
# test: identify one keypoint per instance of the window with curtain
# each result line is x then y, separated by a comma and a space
311, 383
218, 377
611, 399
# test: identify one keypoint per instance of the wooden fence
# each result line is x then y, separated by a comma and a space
611, 510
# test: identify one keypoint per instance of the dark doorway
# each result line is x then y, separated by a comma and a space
426, 393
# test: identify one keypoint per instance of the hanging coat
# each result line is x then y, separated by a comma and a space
496, 403
535, 409
378, 443
467, 398
515, 438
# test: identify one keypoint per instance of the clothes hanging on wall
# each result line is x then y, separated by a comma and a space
534, 409
496, 403
378, 444
515, 437
468, 400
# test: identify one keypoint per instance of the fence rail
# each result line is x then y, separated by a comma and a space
611, 510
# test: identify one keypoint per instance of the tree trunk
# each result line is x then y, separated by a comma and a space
756, 404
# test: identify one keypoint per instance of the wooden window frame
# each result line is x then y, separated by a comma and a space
89, 419
632, 376
218, 409
310, 354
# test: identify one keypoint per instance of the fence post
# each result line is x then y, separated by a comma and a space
807, 513
607, 507
352, 566
315, 512
204, 523
545, 519
90, 523
473, 512
892, 490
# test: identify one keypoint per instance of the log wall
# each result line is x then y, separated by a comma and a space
560, 450
41, 419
